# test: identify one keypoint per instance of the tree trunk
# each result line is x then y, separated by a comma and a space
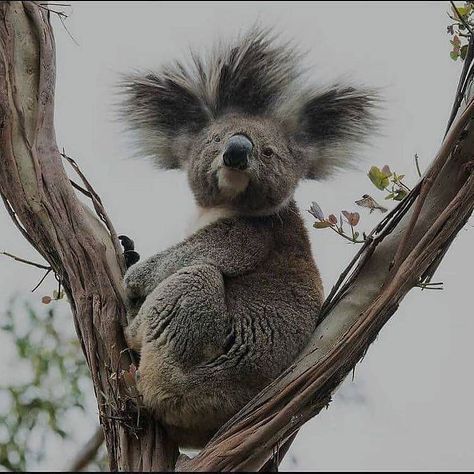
84, 252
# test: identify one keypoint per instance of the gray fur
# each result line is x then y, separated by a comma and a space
257, 77
221, 314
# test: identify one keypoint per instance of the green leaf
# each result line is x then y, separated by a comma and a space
378, 178
322, 224
462, 11
400, 195
390, 196
463, 52
454, 56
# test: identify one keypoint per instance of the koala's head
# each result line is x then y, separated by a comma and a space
244, 126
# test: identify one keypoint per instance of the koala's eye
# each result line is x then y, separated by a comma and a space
267, 151
217, 138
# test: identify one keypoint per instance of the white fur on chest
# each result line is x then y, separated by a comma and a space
206, 216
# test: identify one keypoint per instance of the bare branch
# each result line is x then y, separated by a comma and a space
28, 262
42, 279
88, 452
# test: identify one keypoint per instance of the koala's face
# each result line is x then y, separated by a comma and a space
247, 164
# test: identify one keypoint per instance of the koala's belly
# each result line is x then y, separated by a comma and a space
277, 314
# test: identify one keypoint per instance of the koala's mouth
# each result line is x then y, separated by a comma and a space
232, 182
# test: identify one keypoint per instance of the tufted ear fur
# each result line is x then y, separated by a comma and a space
165, 111
167, 108
252, 76
326, 125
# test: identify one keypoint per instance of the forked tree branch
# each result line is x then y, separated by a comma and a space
399, 253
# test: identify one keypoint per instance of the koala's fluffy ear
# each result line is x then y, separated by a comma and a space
326, 126
165, 111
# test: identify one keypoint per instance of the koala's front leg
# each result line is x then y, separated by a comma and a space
188, 312
233, 248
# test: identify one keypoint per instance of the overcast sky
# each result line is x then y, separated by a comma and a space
410, 404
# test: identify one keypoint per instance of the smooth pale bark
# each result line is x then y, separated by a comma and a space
86, 255
81, 250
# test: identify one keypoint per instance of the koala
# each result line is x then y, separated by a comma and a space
218, 316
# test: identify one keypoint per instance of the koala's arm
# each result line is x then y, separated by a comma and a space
233, 246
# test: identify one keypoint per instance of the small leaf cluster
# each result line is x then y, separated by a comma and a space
386, 180
339, 226
460, 28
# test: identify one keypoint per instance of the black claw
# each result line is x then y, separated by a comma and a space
127, 243
129, 253
131, 257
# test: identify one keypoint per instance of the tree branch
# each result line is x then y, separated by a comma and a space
27, 262
88, 452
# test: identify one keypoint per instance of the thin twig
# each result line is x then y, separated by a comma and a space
417, 165
61, 15
99, 208
49, 10
16, 221
88, 452
42, 279
352, 240
464, 80
28, 262
81, 189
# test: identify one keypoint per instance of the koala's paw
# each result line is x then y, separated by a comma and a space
129, 253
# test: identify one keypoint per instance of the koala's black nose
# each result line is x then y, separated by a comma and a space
236, 154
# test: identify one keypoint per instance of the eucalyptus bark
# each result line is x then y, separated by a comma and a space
84, 252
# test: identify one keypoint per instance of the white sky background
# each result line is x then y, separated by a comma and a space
410, 405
